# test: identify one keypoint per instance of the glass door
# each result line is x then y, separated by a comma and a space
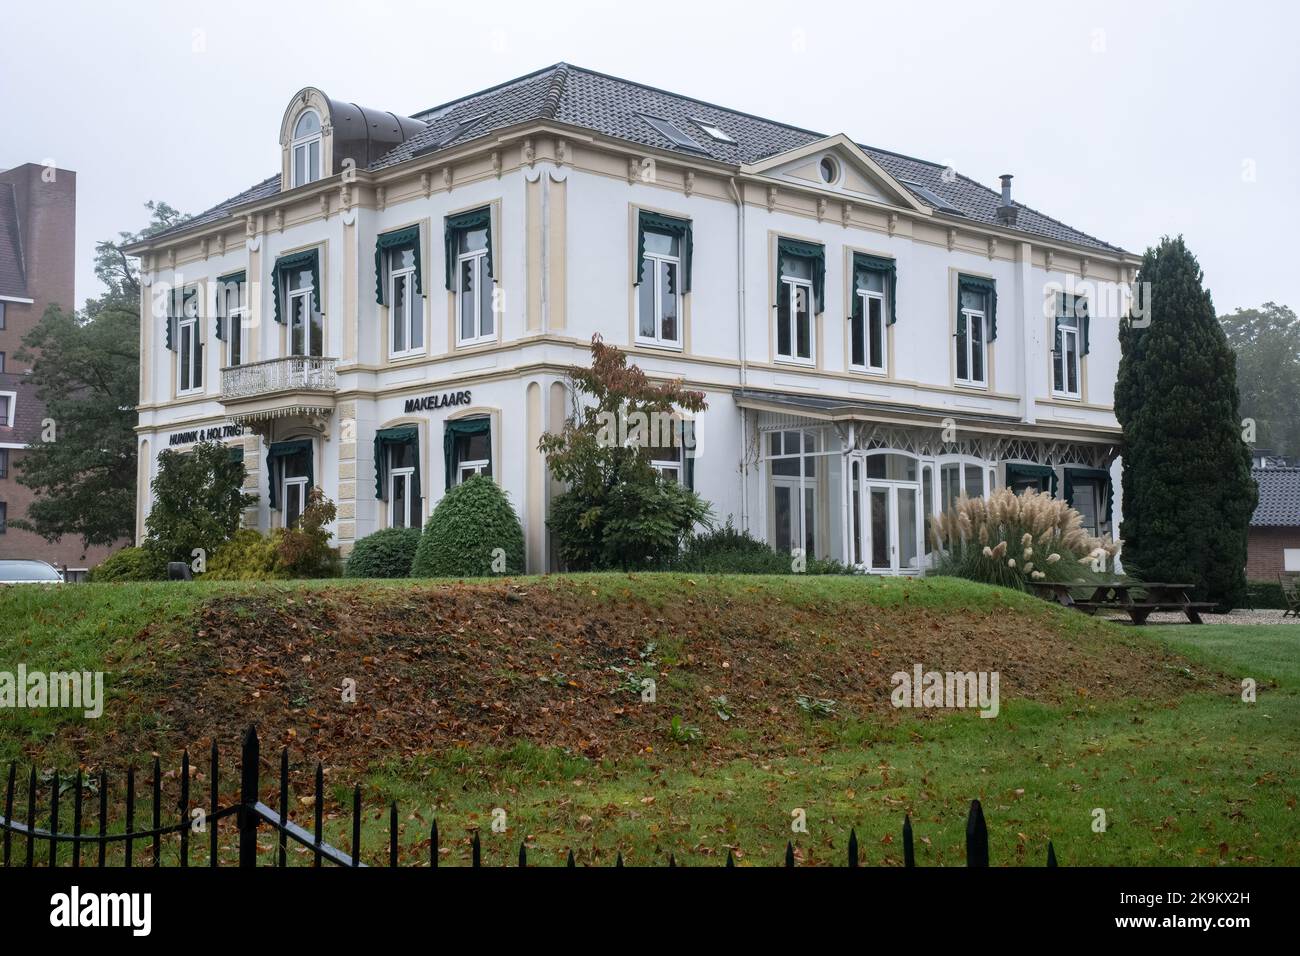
887, 525
881, 547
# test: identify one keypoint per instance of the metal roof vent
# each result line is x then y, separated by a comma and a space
1007, 210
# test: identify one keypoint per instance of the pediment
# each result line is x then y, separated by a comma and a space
836, 164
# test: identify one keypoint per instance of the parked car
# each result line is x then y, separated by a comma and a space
24, 571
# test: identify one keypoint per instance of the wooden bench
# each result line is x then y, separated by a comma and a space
1156, 597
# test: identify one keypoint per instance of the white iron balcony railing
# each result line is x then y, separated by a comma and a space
296, 373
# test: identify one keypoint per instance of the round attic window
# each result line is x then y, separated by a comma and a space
829, 169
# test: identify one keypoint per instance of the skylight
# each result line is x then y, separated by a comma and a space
930, 196
712, 130
667, 129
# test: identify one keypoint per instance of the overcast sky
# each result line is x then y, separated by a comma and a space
1126, 120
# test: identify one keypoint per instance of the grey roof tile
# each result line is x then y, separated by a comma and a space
1279, 498
615, 107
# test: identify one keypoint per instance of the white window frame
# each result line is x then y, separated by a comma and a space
865, 297
187, 327
651, 264
230, 317
468, 469
413, 320
304, 144
297, 486
479, 256
1072, 335
971, 315
407, 475
8, 419
797, 284
290, 296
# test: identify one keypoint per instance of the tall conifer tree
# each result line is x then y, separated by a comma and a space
1188, 493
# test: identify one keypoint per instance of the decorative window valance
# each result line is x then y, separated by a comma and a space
461, 222
409, 236
978, 285
308, 259
680, 228
865, 263
787, 249
387, 438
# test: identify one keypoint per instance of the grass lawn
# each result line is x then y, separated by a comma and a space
506, 696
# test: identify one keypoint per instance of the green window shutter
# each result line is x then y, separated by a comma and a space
794, 248
389, 240
686, 432
1090, 474
220, 317
385, 438
309, 259
455, 225
1081, 310
681, 228
453, 430
987, 288
275, 453
169, 332
1045, 475
866, 263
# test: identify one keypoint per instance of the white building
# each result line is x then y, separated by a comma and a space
398, 306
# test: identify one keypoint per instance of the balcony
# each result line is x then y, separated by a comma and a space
298, 386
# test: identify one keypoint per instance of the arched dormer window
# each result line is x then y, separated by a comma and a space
305, 152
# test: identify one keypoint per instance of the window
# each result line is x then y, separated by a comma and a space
971, 339
1068, 345
659, 296
794, 331
673, 459
1291, 559
1086, 503
867, 324
468, 446
306, 325
4, 517
1088, 491
964, 476
474, 286
403, 486
674, 135
714, 131
189, 354
2, 362
7, 409
4, 462
828, 169
2, 316
792, 477
406, 307
232, 317
305, 153
294, 486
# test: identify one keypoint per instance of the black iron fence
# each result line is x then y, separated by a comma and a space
251, 814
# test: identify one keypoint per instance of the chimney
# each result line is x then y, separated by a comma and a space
1006, 208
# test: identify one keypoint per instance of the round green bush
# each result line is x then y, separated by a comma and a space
130, 564
384, 554
247, 556
461, 537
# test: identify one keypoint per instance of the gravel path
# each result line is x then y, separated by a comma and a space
1239, 616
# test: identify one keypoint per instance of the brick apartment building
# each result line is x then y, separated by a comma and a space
38, 207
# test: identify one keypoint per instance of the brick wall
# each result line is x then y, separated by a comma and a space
1264, 551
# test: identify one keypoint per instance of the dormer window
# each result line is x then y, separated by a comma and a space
306, 149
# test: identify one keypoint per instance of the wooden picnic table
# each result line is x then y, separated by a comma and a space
1156, 596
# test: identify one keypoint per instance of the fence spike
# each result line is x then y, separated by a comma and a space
433, 843
977, 837
9, 808
672, 861
31, 815
392, 834
523, 856
76, 822
356, 825
853, 847
571, 863
789, 853
185, 808
157, 812
475, 852
319, 812
284, 805
909, 854
730, 859
618, 862
214, 772
103, 815
54, 821
1051, 854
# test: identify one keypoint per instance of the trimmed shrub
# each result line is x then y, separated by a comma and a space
130, 564
304, 550
1265, 594
248, 556
470, 522
384, 554
727, 550
1009, 539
